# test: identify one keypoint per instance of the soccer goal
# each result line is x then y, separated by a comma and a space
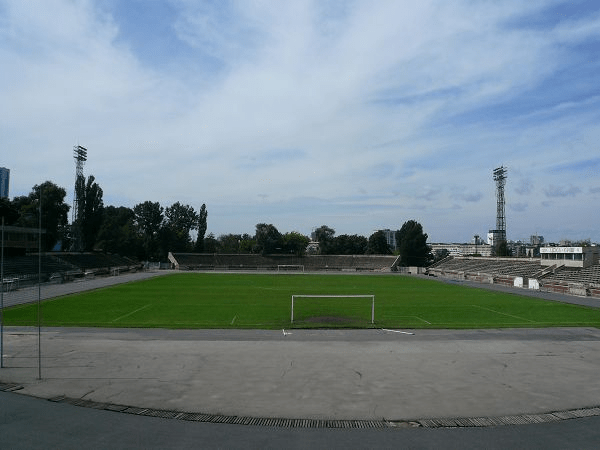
333, 310
290, 267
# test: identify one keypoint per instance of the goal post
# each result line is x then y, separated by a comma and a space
314, 309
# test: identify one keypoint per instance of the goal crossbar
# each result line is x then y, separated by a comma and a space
371, 296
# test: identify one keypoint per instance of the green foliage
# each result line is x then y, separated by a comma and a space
260, 301
324, 236
175, 233
54, 212
202, 226
211, 245
268, 239
8, 211
295, 243
148, 218
91, 213
118, 233
378, 244
412, 245
349, 245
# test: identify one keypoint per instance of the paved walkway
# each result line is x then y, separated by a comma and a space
355, 374
313, 374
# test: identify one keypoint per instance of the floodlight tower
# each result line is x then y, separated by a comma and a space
80, 155
500, 179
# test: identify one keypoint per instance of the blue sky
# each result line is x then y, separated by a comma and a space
358, 115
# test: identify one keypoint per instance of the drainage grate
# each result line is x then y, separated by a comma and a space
444, 422
10, 387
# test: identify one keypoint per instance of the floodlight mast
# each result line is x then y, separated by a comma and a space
500, 179
80, 155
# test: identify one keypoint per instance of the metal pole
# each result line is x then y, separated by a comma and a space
372, 309
40, 289
2, 299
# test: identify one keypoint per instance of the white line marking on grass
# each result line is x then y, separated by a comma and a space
132, 312
233, 320
397, 331
505, 314
422, 319
413, 317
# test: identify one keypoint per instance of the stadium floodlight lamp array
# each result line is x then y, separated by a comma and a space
80, 153
290, 267
369, 296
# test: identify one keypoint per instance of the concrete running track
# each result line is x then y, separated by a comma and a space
313, 374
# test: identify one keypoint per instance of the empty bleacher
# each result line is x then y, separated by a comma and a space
25, 266
585, 282
205, 261
26, 270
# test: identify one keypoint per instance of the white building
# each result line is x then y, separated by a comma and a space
464, 249
570, 256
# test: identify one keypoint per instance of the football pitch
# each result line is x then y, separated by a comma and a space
263, 301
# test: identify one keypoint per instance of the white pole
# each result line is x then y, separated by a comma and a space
2, 299
292, 309
40, 288
372, 309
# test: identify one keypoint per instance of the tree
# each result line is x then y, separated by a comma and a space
179, 221
90, 214
118, 234
148, 218
324, 236
54, 212
8, 211
268, 239
295, 243
378, 244
228, 243
247, 243
210, 244
412, 243
349, 245
202, 226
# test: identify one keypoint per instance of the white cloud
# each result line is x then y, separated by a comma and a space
381, 111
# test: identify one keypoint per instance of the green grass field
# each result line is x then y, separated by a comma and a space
191, 300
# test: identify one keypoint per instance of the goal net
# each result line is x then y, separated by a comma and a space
290, 268
333, 310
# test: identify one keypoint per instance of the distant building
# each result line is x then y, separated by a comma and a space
536, 240
390, 237
570, 256
481, 249
4, 182
494, 237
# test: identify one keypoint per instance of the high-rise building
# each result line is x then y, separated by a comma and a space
4, 182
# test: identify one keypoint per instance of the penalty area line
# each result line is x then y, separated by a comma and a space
504, 314
132, 312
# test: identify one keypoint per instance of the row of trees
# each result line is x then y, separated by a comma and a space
411, 243
148, 231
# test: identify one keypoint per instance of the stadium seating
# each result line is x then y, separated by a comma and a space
584, 282
60, 266
205, 261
